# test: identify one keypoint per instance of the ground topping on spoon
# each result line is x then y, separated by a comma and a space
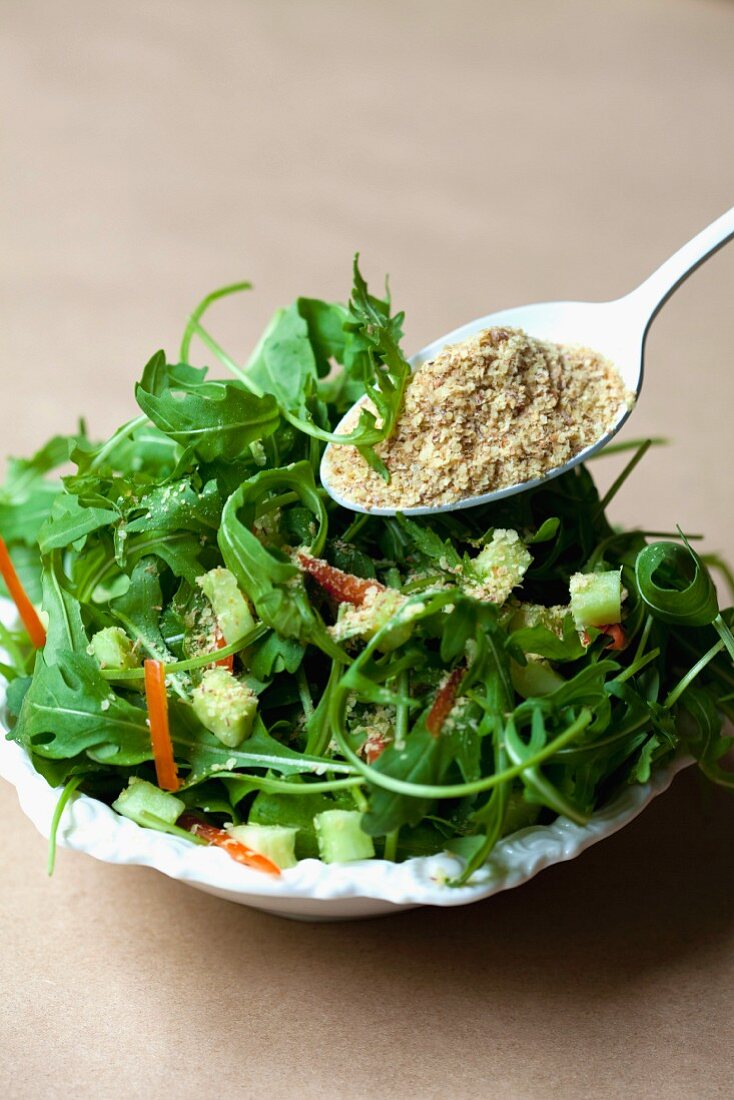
493, 411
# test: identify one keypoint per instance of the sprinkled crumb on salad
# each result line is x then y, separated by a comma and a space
212, 646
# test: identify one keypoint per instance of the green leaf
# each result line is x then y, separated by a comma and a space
430, 544
216, 419
139, 610
207, 755
65, 627
272, 582
70, 709
21, 520
547, 530
704, 736
422, 760
274, 654
27, 564
539, 639
675, 585
178, 507
70, 521
284, 363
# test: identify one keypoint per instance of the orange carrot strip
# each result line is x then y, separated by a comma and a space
160, 734
28, 614
234, 848
344, 587
443, 704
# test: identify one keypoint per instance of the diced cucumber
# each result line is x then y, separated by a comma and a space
364, 621
297, 811
341, 838
141, 798
113, 648
596, 598
231, 607
224, 706
275, 842
499, 567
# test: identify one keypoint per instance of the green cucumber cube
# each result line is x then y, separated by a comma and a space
113, 649
224, 706
275, 842
596, 598
141, 798
340, 836
231, 607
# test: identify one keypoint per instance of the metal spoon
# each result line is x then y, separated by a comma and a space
616, 329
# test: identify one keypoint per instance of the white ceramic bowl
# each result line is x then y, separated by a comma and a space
313, 890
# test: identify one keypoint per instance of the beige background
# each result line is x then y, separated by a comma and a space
485, 154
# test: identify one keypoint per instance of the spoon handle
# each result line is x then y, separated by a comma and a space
651, 295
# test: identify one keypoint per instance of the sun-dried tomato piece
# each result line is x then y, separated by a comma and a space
444, 702
341, 586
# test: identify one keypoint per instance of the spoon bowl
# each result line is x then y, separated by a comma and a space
616, 329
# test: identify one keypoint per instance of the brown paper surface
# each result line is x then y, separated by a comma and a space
485, 154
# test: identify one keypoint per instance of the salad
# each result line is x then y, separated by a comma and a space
211, 645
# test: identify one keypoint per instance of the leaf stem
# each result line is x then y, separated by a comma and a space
620, 480
304, 692
282, 786
203, 306
64, 797
121, 433
675, 693
191, 663
725, 634
644, 637
459, 790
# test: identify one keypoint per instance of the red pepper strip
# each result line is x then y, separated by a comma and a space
443, 704
234, 848
28, 614
225, 662
160, 734
344, 587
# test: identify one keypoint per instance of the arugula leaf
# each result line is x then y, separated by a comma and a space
139, 610
27, 563
284, 363
423, 759
275, 654
70, 522
70, 709
274, 583
208, 756
216, 419
21, 520
178, 507
430, 544
65, 627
